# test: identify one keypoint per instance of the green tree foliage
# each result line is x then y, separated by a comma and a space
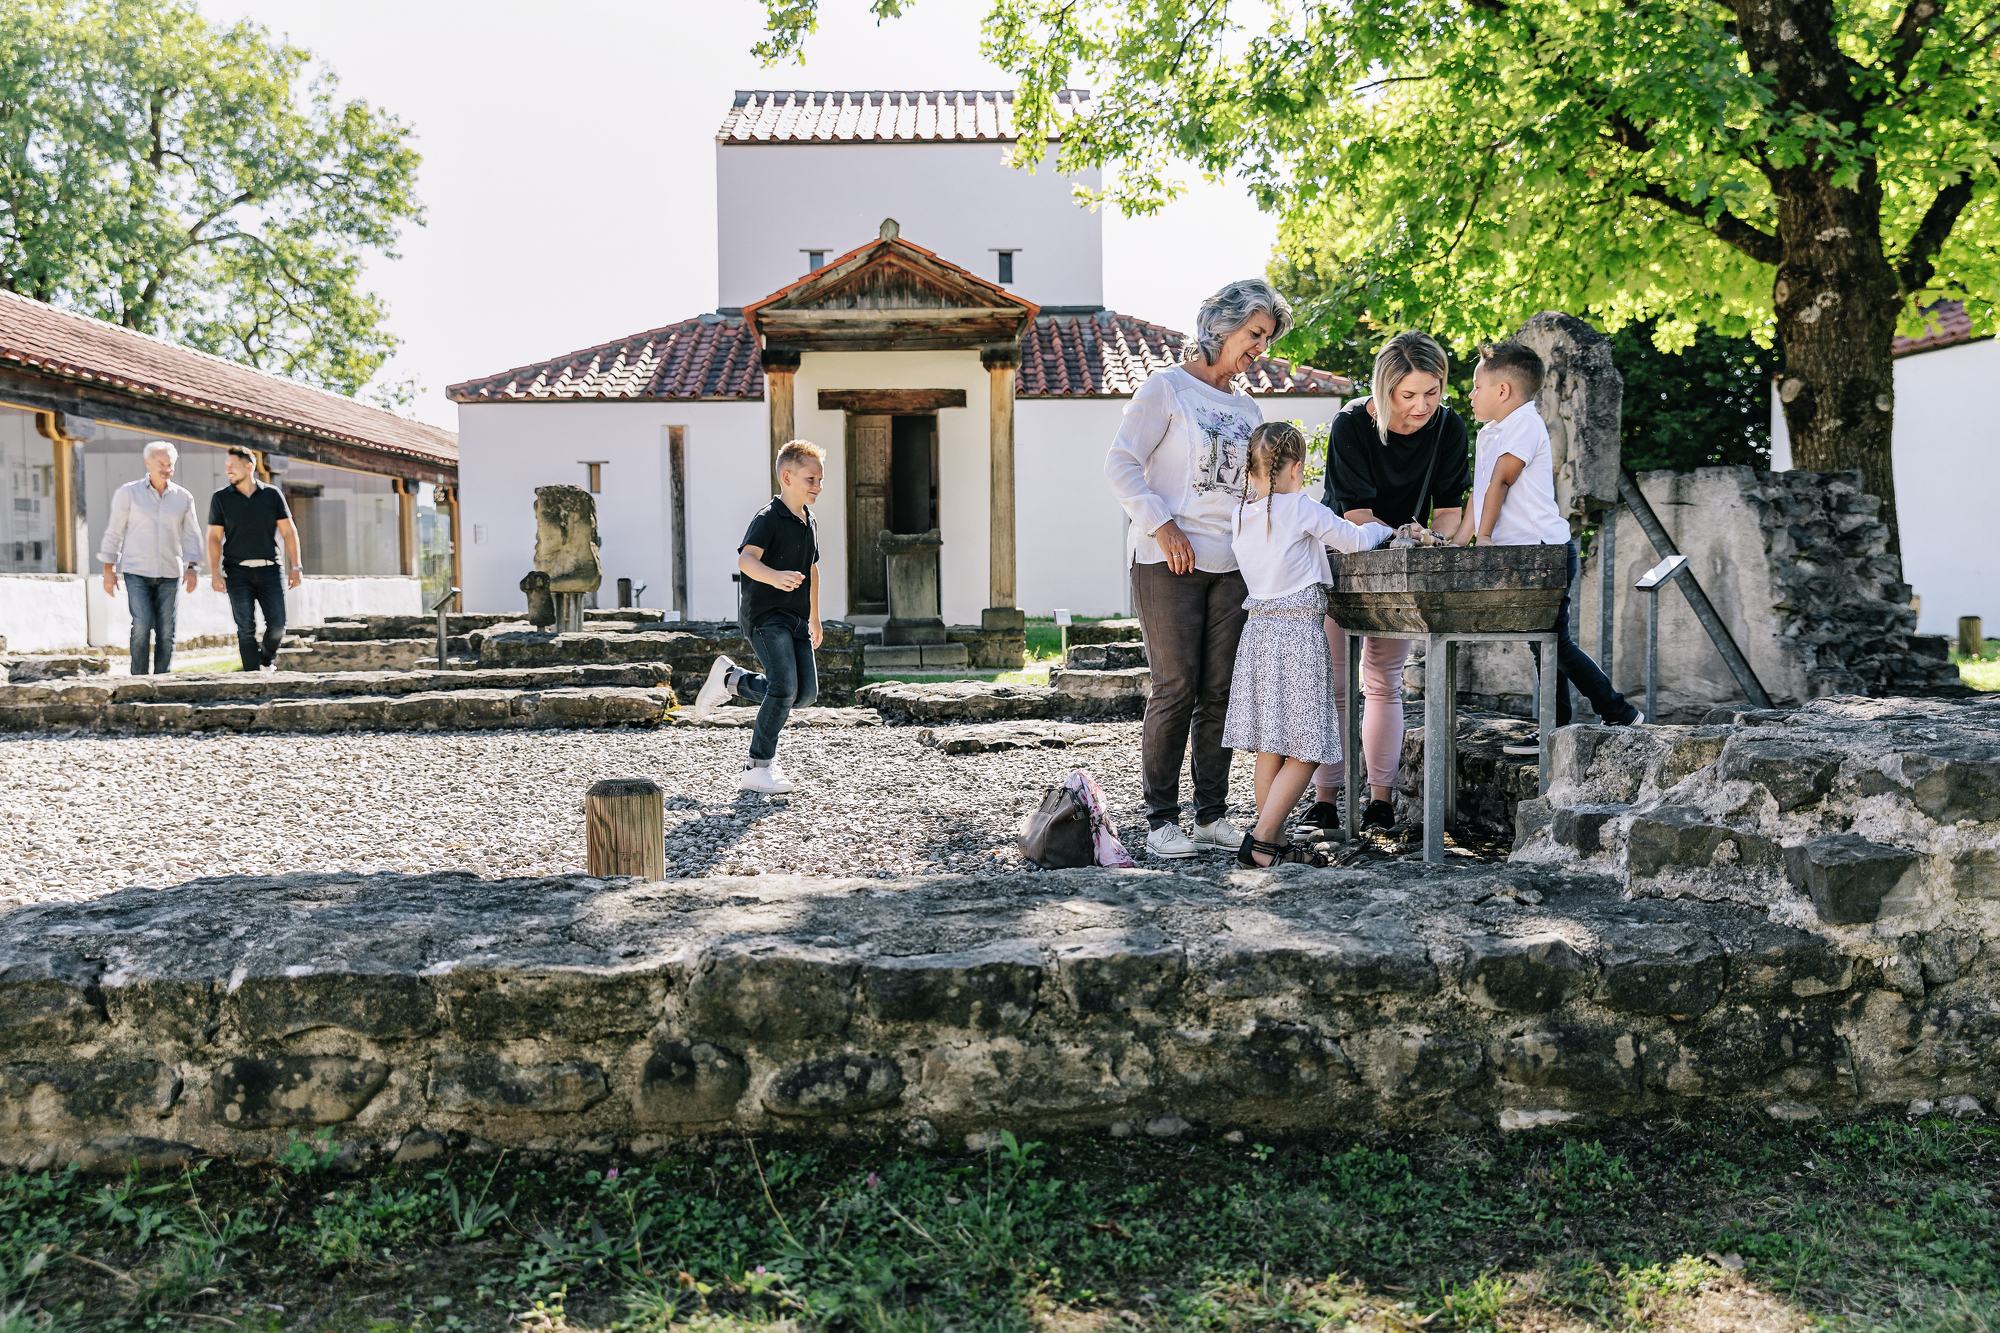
1790, 168
194, 181
1706, 405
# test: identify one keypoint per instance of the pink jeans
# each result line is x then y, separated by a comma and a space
1382, 707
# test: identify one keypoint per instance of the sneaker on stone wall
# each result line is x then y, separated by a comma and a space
715, 689
1168, 840
765, 779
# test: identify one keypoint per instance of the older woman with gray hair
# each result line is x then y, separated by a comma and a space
1178, 468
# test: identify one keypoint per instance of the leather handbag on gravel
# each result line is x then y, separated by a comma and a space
1058, 835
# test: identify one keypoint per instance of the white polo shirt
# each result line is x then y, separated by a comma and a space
1529, 516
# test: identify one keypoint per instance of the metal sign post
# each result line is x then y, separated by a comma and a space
444, 622
1650, 583
1062, 623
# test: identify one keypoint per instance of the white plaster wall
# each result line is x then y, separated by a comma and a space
506, 450
1069, 531
959, 201
965, 512
1946, 452
42, 613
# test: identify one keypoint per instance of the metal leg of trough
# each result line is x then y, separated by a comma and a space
1451, 648
1550, 684
1350, 738
1437, 745
1607, 588
1652, 654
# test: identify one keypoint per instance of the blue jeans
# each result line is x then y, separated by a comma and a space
1573, 667
790, 680
249, 589
153, 603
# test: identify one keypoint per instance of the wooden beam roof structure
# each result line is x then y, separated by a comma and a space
889, 296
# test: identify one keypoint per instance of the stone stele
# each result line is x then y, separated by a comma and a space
566, 538
1582, 400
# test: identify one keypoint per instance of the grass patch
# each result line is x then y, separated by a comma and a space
1045, 636
1981, 672
1666, 1225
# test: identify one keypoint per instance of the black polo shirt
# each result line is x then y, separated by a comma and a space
249, 523
1364, 473
788, 542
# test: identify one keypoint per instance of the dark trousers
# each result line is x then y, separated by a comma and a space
1192, 623
790, 679
249, 589
1573, 667
153, 603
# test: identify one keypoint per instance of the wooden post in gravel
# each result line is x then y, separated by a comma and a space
1971, 637
625, 827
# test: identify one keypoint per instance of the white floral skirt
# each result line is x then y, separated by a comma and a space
1281, 698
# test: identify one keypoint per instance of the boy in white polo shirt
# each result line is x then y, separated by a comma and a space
1514, 504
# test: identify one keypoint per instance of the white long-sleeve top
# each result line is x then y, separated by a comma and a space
152, 534
1181, 453
1281, 543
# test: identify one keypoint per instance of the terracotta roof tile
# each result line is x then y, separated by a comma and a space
1063, 356
56, 342
705, 357
1946, 323
764, 116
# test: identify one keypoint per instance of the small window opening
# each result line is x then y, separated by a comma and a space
596, 468
815, 260
1006, 266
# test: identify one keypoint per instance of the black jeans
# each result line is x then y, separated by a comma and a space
153, 603
1192, 623
249, 589
784, 648
1574, 667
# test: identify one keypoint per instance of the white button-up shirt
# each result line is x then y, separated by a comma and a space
153, 535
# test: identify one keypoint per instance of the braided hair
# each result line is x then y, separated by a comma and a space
1273, 446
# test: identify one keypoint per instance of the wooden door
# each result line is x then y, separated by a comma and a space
868, 468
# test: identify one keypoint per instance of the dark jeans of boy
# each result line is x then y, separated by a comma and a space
1192, 623
259, 585
153, 603
790, 679
1573, 667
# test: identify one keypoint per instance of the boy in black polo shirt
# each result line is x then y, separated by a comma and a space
779, 557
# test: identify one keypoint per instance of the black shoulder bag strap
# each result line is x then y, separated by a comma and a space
1437, 447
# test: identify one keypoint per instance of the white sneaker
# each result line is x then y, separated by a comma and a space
1219, 836
1168, 840
715, 689
765, 779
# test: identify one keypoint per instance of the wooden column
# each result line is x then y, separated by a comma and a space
406, 523
1001, 364
448, 502
677, 483
781, 368
65, 485
625, 830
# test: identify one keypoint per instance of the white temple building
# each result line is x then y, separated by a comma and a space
935, 321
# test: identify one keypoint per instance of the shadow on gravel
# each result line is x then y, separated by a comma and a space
696, 846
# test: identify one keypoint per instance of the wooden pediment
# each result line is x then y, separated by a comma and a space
887, 296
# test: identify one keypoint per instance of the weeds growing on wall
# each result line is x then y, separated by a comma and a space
1670, 1225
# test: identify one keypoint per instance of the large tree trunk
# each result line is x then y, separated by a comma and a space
1836, 299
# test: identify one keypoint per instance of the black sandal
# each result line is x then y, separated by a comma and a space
1281, 853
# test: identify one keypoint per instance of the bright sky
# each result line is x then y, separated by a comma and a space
569, 162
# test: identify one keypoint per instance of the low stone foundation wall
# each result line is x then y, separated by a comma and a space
554, 1014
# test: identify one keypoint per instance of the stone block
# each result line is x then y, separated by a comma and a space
993, 737
1947, 955
1106, 657
1688, 754
958, 700
1954, 782
1006, 619
541, 603
48, 1001
1108, 970
488, 1085
1371, 957
1286, 1060
1751, 1050
1121, 693
121, 1154
840, 1085
1847, 875
508, 1002
992, 986
274, 1092
1604, 1061
756, 996
54, 1096
1975, 876
990, 649
1582, 827
385, 1006
1662, 968
688, 1082
1796, 774
893, 657
1676, 837
566, 539
1783, 965
1530, 974
1106, 631
1531, 817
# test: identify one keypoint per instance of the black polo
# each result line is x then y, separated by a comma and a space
249, 523
1365, 473
788, 542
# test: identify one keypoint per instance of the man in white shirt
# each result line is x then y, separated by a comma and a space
153, 539
1514, 498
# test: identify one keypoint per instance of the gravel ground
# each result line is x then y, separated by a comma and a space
82, 816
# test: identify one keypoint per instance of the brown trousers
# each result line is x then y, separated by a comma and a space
1192, 623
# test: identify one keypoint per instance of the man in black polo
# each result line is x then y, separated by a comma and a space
245, 519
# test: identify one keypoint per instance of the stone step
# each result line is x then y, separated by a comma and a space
360, 655
916, 656
455, 710
1106, 656
1091, 694
1105, 631
234, 686
45, 667
1110, 693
